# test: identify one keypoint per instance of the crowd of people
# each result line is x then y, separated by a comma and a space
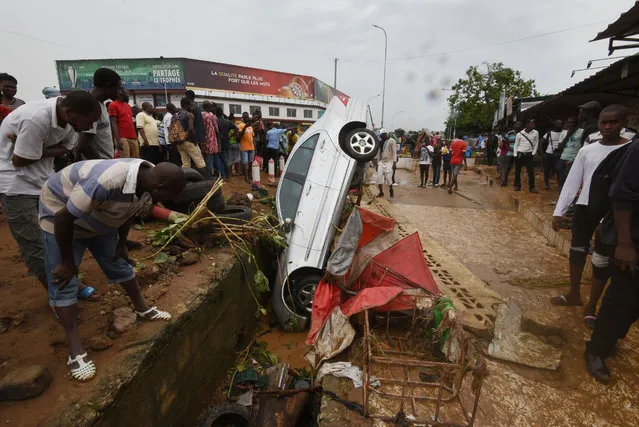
593, 156
76, 170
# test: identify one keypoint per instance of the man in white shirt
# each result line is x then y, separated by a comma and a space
552, 153
386, 158
30, 138
611, 121
526, 144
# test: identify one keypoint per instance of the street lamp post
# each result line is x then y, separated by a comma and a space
393, 119
384, 83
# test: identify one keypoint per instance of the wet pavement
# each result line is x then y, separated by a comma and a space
481, 228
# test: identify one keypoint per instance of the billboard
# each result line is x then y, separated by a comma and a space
324, 93
234, 78
136, 73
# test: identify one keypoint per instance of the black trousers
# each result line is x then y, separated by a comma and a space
507, 166
174, 155
525, 160
423, 173
619, 310
552, 163
273, 153
151, 153
490, 155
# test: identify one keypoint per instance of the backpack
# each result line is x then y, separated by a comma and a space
599, 201
177, 134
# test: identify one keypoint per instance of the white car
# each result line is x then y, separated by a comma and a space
318, 176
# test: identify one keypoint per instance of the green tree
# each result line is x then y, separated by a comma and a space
476, 96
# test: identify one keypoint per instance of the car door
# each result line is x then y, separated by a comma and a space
296, 193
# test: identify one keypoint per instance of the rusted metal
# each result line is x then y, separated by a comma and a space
446, 379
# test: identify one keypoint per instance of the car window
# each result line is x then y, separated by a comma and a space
292, 182
290, 194
300, 161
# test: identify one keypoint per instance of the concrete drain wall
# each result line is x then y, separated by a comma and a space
178, 372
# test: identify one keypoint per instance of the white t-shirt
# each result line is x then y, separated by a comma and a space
554, 139
103, 141
580, 175
596, 136
36, 126
424, 155
526, 142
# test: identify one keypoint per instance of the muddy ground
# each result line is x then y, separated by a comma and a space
33, 336
480, 227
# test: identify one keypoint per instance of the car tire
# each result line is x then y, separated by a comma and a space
192, 175
235, 214
303, 290
361, 144
228, 414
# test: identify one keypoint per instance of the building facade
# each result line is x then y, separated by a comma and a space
287, 98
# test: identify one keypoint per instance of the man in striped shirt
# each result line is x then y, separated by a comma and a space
90, 205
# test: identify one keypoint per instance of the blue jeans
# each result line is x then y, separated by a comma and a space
247, 157
214, 165
437, 169
102, 248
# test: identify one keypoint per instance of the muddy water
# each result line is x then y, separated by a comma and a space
289, 346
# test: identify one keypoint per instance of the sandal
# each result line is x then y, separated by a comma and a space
153, 314
87, 293
561, 300
85, 370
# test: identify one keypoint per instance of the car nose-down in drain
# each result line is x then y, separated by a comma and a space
310, 197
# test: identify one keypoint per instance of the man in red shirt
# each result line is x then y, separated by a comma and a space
457, 157
124, 135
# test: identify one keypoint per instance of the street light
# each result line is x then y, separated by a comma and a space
393, 119
372, 97
384, 84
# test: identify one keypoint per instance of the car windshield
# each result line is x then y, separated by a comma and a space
293, 180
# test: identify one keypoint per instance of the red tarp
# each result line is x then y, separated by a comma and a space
381, 283
373, 226
402, 264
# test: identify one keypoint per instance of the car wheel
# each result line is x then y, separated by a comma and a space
238, 215
228, 414
361, 144
303, 290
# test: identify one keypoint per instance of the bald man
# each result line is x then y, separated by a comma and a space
90, 205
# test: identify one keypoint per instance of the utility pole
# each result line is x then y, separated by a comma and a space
335, 76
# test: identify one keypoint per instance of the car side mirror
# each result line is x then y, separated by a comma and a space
287, 225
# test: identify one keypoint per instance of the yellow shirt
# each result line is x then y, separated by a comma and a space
150, 126
246, 144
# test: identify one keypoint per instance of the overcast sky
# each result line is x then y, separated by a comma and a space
303, 36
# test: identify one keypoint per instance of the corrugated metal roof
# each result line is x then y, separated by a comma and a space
626, 25
616, 84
